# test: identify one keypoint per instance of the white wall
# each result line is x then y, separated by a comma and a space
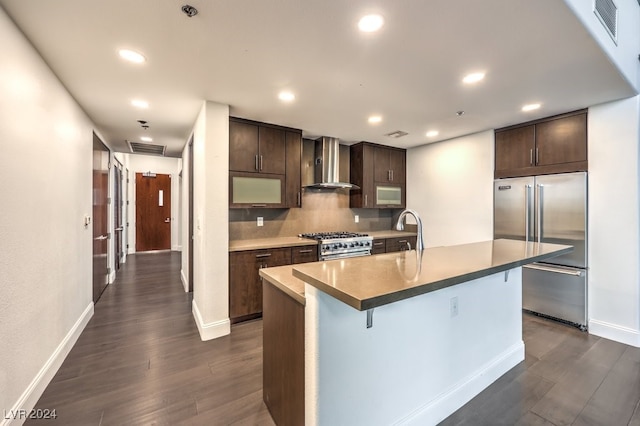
614, 215
211, 221
161, 165
450, 184
624, 54
46, 251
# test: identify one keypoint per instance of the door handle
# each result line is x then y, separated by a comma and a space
101, 238
527, 205
540, 221
555, 270
167, 220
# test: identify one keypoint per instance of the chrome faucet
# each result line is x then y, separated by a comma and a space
400, 226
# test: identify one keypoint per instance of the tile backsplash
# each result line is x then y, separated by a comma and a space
321, 211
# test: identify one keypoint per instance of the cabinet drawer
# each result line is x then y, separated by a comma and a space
304, 254
379, 246
400, 243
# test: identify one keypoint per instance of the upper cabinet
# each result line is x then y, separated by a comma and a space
380, 172
264, 165
552, 145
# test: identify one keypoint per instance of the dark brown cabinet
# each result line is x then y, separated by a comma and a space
245, 283
379, 246
400, 244
552, 145
293, 179
255, 148
264, 165
390, 245
380, 172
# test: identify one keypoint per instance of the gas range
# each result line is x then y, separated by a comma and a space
340, 244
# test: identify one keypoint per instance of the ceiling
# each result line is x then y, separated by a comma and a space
244, 52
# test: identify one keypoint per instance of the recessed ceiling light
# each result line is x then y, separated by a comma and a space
370, 23
375, 119
432, 133
473, 78
530, 107
132, 56
139, 103
286, 96
146, 139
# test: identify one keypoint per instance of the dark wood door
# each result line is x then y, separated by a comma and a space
153, 212
100, 217
245, 284
361, 171
243, 147
515, 148
117, 215
293, 179
271, 157
563, 140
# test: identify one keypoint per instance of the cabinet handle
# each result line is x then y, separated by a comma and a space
531, 157
306, 251
378, 243
257, 162
365, 200
260, 256
299, 198
258, 205
391, 171
537, 157
261, 163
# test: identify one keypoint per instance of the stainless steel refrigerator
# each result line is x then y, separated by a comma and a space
548, 209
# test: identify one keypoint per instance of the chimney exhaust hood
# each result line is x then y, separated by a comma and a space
326, 165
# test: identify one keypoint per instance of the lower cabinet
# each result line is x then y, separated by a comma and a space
389, 245
283, 357
245, 284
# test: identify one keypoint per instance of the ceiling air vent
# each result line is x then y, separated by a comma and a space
397, 134
146, 148
607, 12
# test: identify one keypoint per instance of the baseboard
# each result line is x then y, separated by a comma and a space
212, 330
176, 248
185, 281
36, 388
112, 277
625, 335
448, 402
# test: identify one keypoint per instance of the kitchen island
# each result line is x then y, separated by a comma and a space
398, 338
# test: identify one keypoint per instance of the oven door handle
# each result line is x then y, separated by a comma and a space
345, 255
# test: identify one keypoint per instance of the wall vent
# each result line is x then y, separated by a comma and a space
607, 13
146, 148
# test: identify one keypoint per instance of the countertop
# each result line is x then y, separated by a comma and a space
280, 242
282, 278
371, 281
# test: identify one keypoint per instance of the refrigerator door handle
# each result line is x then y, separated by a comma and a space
539, 212
527, 202
573, 272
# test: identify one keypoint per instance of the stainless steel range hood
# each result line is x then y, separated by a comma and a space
327, 165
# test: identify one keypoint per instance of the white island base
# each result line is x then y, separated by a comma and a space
419, 362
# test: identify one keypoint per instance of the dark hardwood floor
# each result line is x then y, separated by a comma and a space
140, 361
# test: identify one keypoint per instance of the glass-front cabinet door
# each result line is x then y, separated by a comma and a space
256, 190
389, 196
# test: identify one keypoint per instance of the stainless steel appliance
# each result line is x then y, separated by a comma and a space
339, 245
548, 209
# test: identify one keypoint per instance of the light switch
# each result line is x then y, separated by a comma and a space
87, 220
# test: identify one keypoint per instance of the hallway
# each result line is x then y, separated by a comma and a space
140, 359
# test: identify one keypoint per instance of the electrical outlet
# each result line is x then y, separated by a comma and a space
260, 221
357, 218
453, 306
